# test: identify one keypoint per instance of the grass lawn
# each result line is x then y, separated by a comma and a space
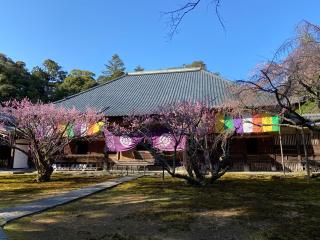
239, 206
20, 188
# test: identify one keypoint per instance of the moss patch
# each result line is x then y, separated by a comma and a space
310, 106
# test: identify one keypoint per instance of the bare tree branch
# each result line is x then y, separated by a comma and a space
176, 16
293, 73
217, 6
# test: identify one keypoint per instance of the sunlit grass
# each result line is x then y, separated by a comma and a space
21, 188
239, 206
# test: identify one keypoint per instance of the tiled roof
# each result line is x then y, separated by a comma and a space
143, 92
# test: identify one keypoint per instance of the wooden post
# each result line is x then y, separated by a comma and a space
106, 161
298, 147
13, 150
281, 151
305, 153
10, 162
162, 172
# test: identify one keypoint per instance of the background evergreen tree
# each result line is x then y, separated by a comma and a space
16, 81
75, 82
51, 75
114, 69
197, 63
103, 79
138, 69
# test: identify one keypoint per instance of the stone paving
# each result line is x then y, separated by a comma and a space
2, 235
10, 214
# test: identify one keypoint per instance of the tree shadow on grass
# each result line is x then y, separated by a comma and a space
21, 189
245, 207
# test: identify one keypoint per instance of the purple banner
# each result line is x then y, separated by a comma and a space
121, 143
238, 125
166, 142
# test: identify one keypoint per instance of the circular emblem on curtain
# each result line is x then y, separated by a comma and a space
126, 141
165, 140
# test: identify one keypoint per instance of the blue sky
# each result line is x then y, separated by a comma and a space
84, 34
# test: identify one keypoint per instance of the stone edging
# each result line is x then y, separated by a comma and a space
2, 235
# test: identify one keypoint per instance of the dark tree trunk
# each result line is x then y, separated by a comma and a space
187, 165
44, 174
318, 97
190, 180
174, 160
44, 167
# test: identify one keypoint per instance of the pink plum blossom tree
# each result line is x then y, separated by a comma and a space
46, 128
206, 153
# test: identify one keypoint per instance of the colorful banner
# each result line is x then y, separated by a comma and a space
247, 125
256, 123
69, 131
266, 123
228, 123
82, 130
95, 128
238, 125
219, 122
167, 142
275, 122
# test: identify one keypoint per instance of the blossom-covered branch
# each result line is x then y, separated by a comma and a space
46, 129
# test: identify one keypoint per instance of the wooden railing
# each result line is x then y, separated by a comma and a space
81, 162
266, 162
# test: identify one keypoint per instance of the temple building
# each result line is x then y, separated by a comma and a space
254, 149
259, 149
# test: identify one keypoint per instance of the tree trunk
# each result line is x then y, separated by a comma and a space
190, 180
187, 164
218, 175
44, 174
318, 96
196, 169
44, 168
174, 160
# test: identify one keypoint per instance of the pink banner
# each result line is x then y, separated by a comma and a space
167, 142
163, 142
121, 143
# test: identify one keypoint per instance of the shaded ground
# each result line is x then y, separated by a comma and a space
20, 188
237, 207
